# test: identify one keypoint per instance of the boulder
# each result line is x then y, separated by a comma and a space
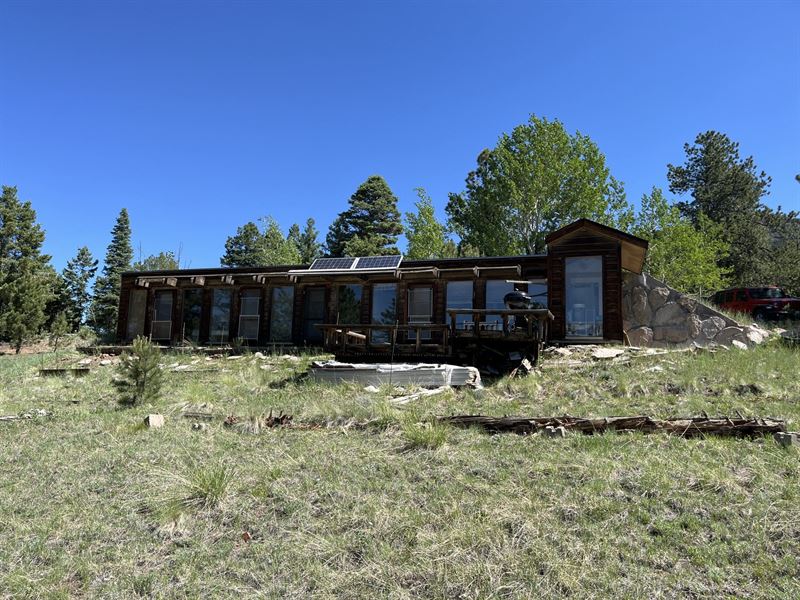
640, 336
669, 314
739, 345
641, 310
755, 335
675, 334
695, 326
728, 335
658, 297
688, 304
712, 326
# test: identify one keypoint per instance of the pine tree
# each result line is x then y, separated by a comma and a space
105, 300
76, 277
58, 330
139, 378
308, 244
370, 225
163, 261
25, 282
245, 249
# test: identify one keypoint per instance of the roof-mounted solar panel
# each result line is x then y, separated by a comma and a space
378, 262
326, 264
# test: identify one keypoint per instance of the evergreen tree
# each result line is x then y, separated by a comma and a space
728, 190
76, 277
105, 300
308, 243
293, 237
427, 237
25, 280
370, 225
537, 179
58, 330
139, 377
245, 249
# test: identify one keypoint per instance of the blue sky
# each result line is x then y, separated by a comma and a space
198, 117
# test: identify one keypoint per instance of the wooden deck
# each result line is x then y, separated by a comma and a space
511, 334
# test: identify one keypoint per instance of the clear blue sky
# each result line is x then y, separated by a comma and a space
198, 117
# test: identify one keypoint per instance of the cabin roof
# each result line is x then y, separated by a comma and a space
634, 249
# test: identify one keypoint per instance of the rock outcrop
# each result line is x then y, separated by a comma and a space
656, 315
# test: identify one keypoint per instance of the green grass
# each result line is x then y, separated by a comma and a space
94, 505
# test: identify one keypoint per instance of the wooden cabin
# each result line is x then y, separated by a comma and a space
389, 308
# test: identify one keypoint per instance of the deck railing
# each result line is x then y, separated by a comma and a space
436, 338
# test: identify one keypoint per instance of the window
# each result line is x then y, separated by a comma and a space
249, 311
459, 295
162, 315
496, 290
220, 317
537, 290
420, 310
137, 304
313, 313
350, 303
280, 322
384, 310
584, 296
192, 310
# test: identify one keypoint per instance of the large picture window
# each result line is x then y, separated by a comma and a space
420, 310
249, 314
280, 322
350, 303
192, 311
584, 296
220, 316
162, 315
384, 310
137, 305
459, 295
313, 313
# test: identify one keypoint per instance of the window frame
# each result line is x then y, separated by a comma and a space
248, 294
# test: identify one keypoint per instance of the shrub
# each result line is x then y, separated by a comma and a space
139, 378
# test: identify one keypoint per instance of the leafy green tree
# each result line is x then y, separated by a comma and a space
308, 243
25, 277
681, 254
76, 277
139, 378
163, 261
728, 190
105, 300
278, 250
245, 249
427, 237
370, 225
537, 179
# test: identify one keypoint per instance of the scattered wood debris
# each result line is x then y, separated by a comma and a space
685, 427
399, 401
29, 414
255, 424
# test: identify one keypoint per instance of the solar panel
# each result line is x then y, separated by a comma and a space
332, 263
379, 262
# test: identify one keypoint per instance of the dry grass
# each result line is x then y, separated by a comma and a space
92, 505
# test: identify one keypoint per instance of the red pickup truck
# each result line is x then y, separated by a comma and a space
763, 303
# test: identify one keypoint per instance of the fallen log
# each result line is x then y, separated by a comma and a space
684, 427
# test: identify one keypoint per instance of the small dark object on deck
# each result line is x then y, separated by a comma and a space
684, 427
63, 372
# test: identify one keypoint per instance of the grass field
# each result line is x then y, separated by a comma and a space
93, 504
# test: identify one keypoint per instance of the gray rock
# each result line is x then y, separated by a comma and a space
669, 314
640, 336
641, 310
675, 334
788, 438
694, 324
739, 345
658, 297
728, 335
688, 304
712, 326
154, 421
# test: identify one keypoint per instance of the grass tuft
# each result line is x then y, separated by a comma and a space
427, 435
204, 486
